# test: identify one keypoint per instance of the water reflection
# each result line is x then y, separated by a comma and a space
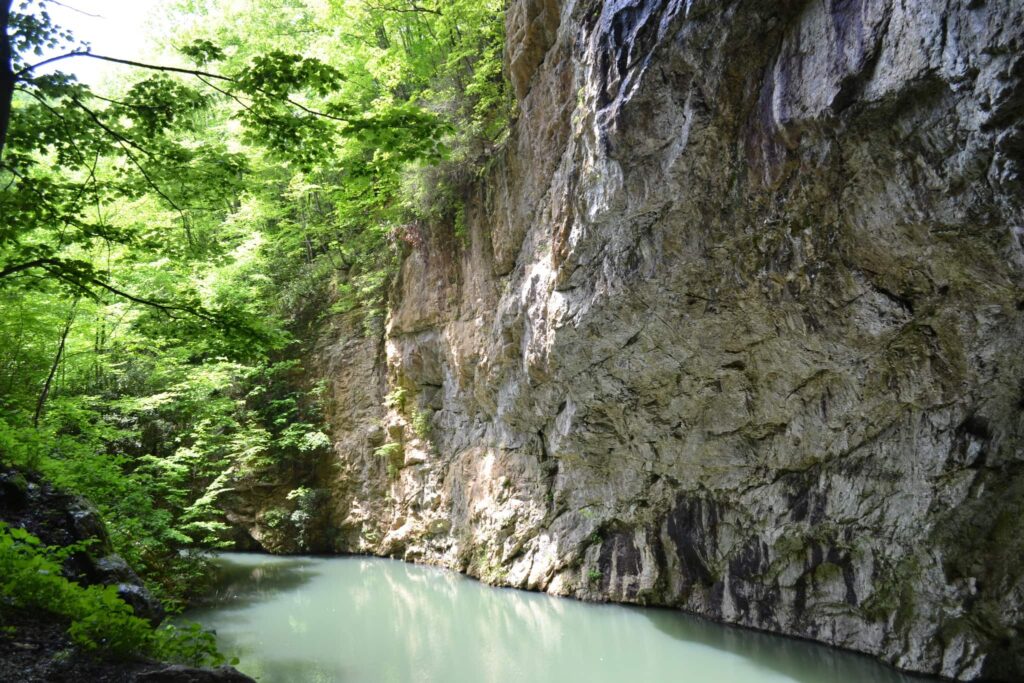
382, 621
244, 579
797, 660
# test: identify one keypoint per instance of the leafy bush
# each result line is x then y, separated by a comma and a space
421, 423
392, 453
30, 577
390, 450
395, 399
275, 518
307, 501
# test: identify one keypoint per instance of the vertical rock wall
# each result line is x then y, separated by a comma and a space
737, 329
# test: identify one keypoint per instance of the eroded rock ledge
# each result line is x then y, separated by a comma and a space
737, 329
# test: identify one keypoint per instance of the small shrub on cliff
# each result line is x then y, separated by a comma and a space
275, 518
390, 450
392, 453
307, 502
395, 399
421, 423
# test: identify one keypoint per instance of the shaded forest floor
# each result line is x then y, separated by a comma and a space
35, 647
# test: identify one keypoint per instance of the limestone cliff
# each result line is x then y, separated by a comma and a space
737, 328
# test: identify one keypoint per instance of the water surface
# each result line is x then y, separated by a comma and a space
368, 620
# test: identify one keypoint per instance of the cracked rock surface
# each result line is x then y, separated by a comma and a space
737, 329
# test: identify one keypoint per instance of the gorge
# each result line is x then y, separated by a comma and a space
734, 326
708, 305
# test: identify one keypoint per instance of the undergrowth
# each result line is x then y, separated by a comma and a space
100, 621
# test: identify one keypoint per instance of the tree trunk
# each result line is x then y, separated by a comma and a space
56, 364
6, 73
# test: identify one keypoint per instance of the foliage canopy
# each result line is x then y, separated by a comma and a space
171, 240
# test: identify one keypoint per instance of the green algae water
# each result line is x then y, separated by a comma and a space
363, 620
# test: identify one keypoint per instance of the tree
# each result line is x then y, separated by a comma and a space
249, 189
61, 121
6, 72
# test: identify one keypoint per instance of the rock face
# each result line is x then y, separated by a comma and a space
737, 329
62, 519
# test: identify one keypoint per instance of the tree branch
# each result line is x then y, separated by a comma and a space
50, 60
413, 8
80, 279
198, 73
126, 62
55, 268
226, 93
124, 143
27, 265
166, 306
75, 9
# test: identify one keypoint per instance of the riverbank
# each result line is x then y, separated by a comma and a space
35, 644
35, 648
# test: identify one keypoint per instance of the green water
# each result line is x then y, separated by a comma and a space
318, 620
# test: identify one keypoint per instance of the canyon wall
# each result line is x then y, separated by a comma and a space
736, 327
